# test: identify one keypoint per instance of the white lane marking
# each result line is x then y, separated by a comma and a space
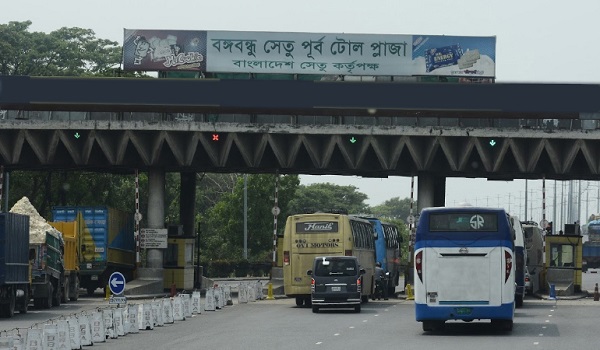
376, 315
543, 327
319, 343
541, 334
536, 343
351, 327
549, 315
365, 320
551, 310
335, 335
547, 321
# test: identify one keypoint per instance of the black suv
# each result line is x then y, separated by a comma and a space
336, 282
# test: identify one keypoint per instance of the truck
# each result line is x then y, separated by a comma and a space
591, 247
46, 256
14, 264
70, 233
106, 243
47, 270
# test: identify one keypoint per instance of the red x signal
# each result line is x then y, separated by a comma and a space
215, 137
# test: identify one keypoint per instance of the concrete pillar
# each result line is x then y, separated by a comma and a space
187, 203
431, 191
156, 213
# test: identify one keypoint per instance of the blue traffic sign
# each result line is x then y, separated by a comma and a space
116, 283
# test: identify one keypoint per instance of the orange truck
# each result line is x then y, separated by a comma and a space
70, 231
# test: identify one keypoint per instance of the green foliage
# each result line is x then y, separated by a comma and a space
394, 208
324, 196
223, 233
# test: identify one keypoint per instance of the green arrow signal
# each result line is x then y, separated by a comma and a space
492, 143
77, 135
353, 140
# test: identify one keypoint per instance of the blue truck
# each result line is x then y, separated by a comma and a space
15, 275
106, 243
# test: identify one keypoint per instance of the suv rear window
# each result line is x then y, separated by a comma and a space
340, 267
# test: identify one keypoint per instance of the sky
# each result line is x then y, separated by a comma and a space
536, 42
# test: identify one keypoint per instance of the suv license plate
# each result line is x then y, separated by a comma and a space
336, 289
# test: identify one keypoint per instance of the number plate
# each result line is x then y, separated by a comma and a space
94, 277
336, 289
463, 310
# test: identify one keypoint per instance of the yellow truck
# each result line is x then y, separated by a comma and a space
70, 231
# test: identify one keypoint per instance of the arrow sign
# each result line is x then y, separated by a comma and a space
352, 140
116, 283
492, 143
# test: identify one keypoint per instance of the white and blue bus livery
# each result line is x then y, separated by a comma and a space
464, 267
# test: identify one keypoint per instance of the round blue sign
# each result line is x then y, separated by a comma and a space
116, 283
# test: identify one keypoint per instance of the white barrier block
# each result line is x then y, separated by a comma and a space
98, 328
259, 290
157, 313
34, 339
109, 323
49, 338
187, 304
196, 302
18, 342
6, 343
118, 321
178, 314
63, 341
217, 297
251, 293
148, 322
209, 300
132, 317
228, 299
125, 318
74, 333
167, 307
155, 310
85, 330
242, 295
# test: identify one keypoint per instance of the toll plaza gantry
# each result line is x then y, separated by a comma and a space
428, 130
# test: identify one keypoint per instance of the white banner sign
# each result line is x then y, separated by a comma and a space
153, 238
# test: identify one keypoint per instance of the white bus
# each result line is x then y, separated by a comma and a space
464, 267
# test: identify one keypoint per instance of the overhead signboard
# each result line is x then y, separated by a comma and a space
153, 238
309, 53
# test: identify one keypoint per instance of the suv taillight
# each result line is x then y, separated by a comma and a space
507, 264
286, 257
419, 265
312, 285
359, 285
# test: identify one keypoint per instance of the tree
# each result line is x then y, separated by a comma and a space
63, 52
394, 208
224, 229
325, 196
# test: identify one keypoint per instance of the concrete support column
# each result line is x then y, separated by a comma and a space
187, 203
431, 191
156, 212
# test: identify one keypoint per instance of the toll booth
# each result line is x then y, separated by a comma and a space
563, 262
178, 261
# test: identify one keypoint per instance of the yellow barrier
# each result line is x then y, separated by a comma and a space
107, 293
409, 292
270, 292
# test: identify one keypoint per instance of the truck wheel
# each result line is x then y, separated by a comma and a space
56, 296
25, 305
65, 290
74, 295
47, 301
8, 309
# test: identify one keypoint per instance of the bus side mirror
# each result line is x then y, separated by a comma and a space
309, 272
